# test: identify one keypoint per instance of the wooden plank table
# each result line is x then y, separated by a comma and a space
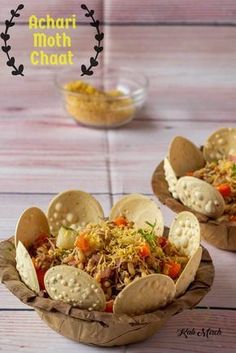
192, 73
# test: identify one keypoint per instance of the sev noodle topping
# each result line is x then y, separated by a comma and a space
114, 253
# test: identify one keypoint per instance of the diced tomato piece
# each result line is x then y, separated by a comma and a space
224, 189
189, 174
82, 243
40, 274
121, 221
232, 157
109, 306
162, 241
144, 251
232, 218
42, 239
174, 270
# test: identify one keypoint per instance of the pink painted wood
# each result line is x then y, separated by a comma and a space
130, 169
167, 340
173, 11
55, 8
191, 71
148, 11
192, 92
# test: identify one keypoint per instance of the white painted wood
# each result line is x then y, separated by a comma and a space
26, 332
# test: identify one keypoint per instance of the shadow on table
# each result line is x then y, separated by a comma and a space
144, 124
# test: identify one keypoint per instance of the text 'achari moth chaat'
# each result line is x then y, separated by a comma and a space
96, 263
205, 181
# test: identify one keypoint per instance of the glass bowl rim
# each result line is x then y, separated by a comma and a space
134, 94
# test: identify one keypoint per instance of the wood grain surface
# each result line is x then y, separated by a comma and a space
191, 71
143, 11
55, 8
171, 11
192, 91
27, 323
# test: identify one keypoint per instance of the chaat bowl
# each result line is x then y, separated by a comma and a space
105, 281
202, 181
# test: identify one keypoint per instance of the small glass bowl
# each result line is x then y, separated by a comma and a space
104, 111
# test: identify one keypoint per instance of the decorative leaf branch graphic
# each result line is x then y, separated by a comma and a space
98, 48
6, 48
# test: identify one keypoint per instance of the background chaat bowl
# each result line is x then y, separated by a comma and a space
125, 89
220, 234
101, 328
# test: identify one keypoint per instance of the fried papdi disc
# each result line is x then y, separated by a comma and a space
31, 224
73, 208
170, 178
25, 267
145, 295
74, 286
189, 272
184, 156
221, 144
185, 233
139, 209
200, 196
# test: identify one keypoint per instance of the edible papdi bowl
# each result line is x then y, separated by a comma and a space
203, 181
105, 281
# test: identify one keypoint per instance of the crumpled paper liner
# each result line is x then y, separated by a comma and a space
218, 234
100, 328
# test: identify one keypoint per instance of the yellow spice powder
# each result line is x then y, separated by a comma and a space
97, 108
